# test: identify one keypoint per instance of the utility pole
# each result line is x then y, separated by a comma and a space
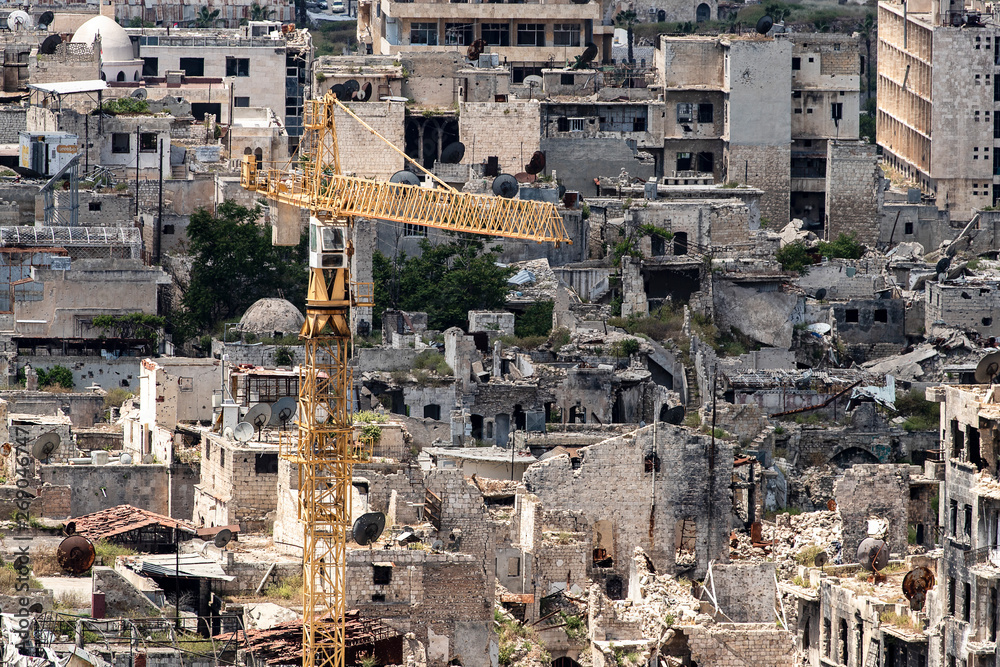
158, 229
137, 154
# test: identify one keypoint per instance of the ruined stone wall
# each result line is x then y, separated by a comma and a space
363, 154
730, 224
120, 596
767, 168
745, 591
509, 131
440, 597
100, 487
853, 180
612, 484
13, 121
230, 489
873, 491
741, 645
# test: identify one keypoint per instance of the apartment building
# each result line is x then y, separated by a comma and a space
258, 52
761, 111
526, 35
937, 100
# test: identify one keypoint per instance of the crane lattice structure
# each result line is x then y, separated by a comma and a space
323, 444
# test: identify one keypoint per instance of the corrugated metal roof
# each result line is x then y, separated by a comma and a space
194, 566
68, 87
522, 277
123, 519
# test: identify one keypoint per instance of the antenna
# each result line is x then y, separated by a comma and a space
139, 93
49, 44
821, 559
46, 19
44, 445
228, 433
453, 153
942, 265
339, 90
533, 81
586, 57
285, 410
257, 416
69, 528
76, 554
988, 368
368, 528
351, 86
18, 20
764, 24
125, 459
243, 431
505, 186
873, 555
223, 537
916, 583
364, 94
404, 177
476, 49
536, 164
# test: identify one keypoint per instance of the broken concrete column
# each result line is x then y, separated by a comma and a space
633, 289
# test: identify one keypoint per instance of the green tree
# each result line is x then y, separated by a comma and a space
446, 281
845, 246
131, 325
234, 265
57, 376
260, 13
536, 320
777, 11
626, 19
867, 29
866, 127
794, 257
206, 18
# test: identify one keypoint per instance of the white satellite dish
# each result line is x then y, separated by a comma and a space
243, 431
228, 433
18, 20
819, 328
125, 459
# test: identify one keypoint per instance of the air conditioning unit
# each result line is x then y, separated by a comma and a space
327, 245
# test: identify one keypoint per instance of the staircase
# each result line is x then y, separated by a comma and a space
178, 172
694, 400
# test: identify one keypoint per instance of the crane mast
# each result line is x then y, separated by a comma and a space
323, 445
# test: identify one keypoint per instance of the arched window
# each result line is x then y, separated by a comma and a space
703, 13
121, 76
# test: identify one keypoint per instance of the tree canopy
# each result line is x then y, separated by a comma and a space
446, 281
234, 265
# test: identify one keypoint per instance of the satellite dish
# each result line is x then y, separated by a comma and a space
821, 559
70, 528
437, 545
45, 445
76, 554
524, 177
453, 153
125, 459
364, 94
916, 583
49, 44
476, 49
562, 191
873, 554
821, 294
18, 20
942, 265
820, 328
988, 368
140, 93
533, 81
228, 433
148, 459
223, 537
257, 416
536, 164
46, 19
586, 57
352, 86
284, 409
505, 186
765, 24
36, 608
404, 177
243, 431
368, 528
339, 90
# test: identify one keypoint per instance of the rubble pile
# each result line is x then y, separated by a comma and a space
661, 598
793, 533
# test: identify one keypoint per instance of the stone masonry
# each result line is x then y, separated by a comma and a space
853, 190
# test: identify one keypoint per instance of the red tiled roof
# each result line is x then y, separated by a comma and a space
122, 519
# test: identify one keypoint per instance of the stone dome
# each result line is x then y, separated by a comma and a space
269, 315
115, 43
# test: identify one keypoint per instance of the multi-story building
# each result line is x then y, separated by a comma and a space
258, 52
937, 100
527, 36
760, 111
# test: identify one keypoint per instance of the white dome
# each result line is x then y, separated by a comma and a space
115, 43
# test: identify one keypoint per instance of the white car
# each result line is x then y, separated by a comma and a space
337, 7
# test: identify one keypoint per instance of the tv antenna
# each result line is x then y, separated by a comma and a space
285, 410
988, 368
76, 554
873, 555
258, 416
368, 528
222, 538
243, 431
404, 177
916, 583
45, 445
764, 24
505, 186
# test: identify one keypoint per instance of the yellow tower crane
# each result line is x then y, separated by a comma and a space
323, 444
